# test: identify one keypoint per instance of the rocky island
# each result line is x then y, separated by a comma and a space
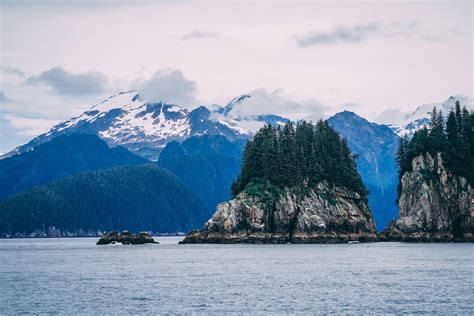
436, 196
126, 238
322, 215
297, 185
434, 204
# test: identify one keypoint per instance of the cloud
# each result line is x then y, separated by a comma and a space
66, 83
251, 125
3, 97
263, 101
16, 129
170, 86
201, 35
391, 116
433, 38
12, 71
340, 34
28, 126
361, 32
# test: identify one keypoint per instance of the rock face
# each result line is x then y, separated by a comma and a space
434, 205
322, 215
126, 238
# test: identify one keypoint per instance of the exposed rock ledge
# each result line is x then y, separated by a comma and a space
434, 205
322, 215
126, 238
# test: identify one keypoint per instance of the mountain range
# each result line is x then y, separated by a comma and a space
145, 128
141, 197
202, 148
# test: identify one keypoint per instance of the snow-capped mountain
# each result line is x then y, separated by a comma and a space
421, 116
145, 128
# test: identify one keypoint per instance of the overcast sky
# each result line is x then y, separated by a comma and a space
58, 58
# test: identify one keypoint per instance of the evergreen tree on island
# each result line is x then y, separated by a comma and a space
297, 156
454, 139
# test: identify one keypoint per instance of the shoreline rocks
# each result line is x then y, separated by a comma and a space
324, 214
126, 238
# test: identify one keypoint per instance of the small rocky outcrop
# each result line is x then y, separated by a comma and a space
126, 238
321, 215
434, 204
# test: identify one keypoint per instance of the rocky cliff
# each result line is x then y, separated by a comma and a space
434, 205
321, 215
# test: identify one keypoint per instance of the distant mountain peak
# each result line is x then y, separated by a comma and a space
349, 116
421, 116
146, 127
347, 113
239, 98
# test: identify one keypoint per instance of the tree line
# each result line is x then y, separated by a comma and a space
297, 155
453, 138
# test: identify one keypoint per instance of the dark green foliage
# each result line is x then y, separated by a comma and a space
402, 156
145, 197
460, 136
263, 189
453, 139
298, 156
63, 156
437, 134
207, 165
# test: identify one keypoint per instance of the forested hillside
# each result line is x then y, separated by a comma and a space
63, 156
298, 156
206, 164
144, 197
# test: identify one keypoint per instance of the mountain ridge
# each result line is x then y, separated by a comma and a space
145, 128
88, 203
63, 156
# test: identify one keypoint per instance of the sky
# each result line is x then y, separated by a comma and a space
296, 58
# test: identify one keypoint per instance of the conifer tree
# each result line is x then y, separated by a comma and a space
454, 139
402, 156
437, 132
292, 156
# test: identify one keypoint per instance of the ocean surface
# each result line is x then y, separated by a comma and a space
74, 275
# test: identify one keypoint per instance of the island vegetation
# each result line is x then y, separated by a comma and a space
298, 184
296, 156
453, 138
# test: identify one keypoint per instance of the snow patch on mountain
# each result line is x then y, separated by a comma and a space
145, 128
421, 116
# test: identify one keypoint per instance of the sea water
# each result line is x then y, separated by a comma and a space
75, 276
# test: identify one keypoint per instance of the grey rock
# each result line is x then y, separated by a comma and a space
126, 238
322, 215
434, 204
